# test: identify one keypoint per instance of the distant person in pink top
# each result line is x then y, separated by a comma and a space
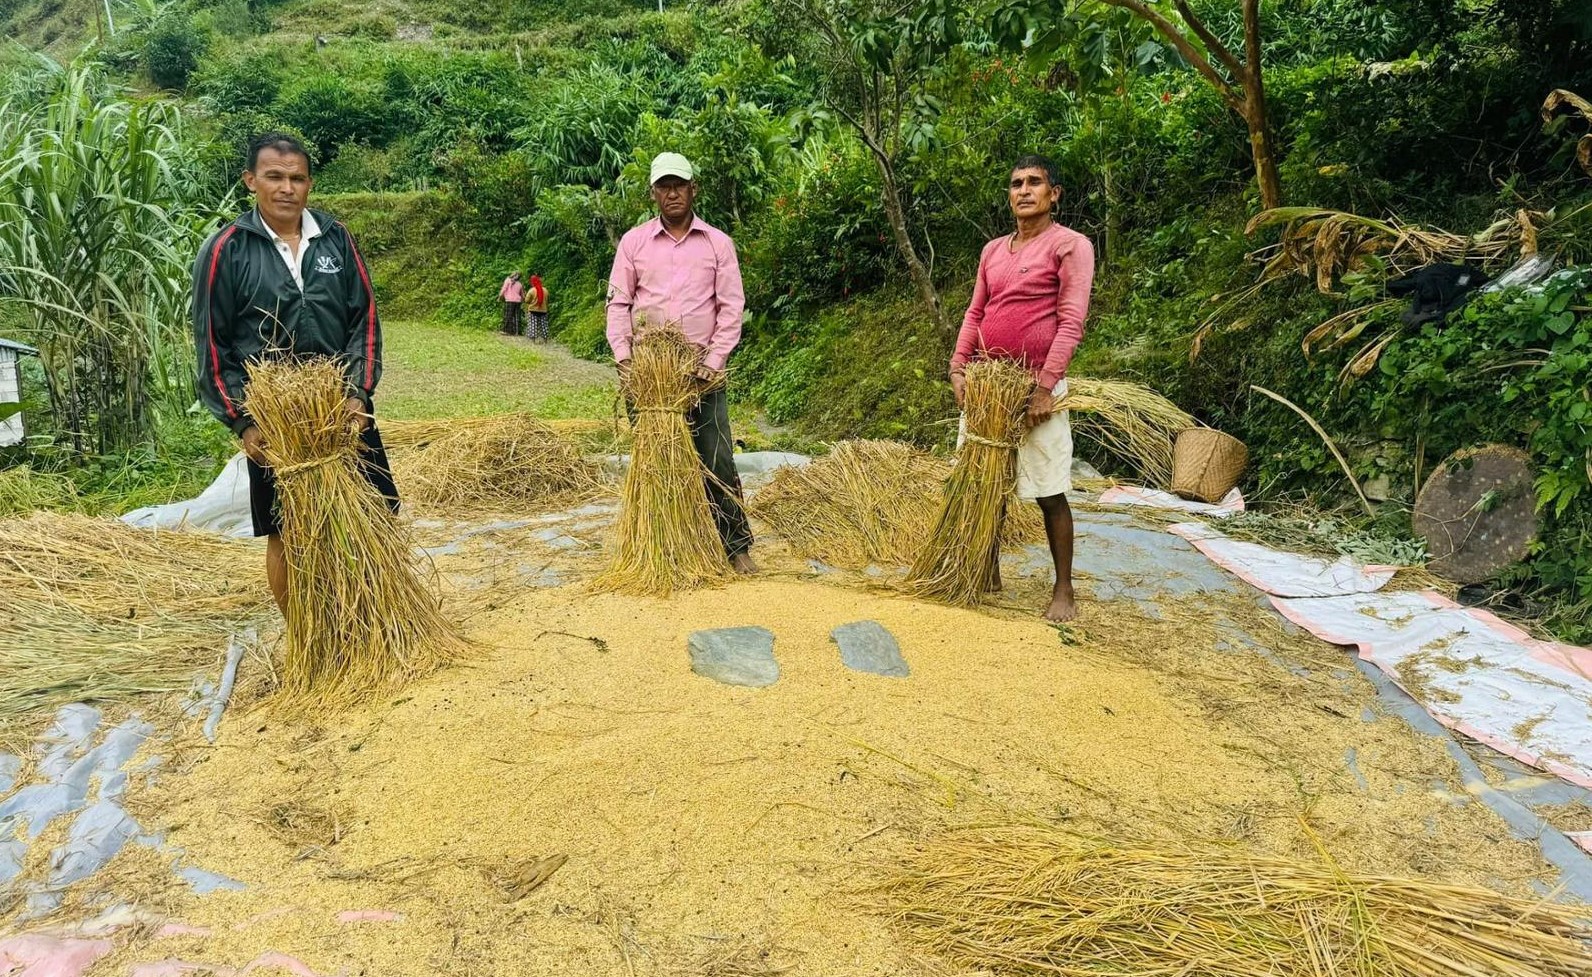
1029, 305
679, 269
513, 295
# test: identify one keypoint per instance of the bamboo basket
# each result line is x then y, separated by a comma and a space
1207, 464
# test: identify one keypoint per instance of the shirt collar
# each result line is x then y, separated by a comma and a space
697, 224
309, 227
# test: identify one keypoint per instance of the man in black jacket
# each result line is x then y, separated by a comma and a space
282, 281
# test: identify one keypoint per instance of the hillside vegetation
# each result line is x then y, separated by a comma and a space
857, 151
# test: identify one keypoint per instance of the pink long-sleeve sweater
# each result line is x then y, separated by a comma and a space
1029, 303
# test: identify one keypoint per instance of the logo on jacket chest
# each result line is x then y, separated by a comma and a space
328, 264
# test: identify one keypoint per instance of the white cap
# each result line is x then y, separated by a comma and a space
670, 164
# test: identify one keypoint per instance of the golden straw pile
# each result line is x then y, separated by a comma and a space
956, 561
1024, 900
94, 610
512, 462
665, 537
1131, 420
867, 503
360, 618
400, 436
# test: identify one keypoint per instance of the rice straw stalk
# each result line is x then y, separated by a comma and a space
955, 562
361, 620
867, 503
514, 464
1130, 420
665, 537
1042, 900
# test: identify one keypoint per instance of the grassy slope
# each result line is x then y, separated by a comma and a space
437, 370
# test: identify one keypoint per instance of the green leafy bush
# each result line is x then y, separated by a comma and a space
173, 46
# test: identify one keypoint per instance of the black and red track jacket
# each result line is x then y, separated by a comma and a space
247, 306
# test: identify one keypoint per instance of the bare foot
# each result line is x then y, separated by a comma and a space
992, 581
1063, 605
742, 563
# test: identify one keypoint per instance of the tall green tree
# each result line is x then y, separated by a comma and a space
878, 61
97, 230
1234, 70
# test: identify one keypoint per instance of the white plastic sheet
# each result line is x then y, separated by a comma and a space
1137, 495
1472, 672
223, 507
1281, 573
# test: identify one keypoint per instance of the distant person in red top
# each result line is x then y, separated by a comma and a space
536, 310
1029, 305
513, 295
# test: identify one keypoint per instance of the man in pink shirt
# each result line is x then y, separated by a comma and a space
679, 269
1029, 305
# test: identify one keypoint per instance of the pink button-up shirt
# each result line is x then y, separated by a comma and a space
695, 282
1030, 303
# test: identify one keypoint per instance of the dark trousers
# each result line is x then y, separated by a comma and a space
511, 318
709, 421
710, 432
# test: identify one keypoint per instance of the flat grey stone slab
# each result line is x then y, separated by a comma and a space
867, 646
735, 656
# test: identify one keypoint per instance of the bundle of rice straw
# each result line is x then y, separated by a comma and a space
1130, 420
513, 463
666, 539
1041, 900
867, 503
360, 618
954, 565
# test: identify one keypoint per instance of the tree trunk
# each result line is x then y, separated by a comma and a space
909, 253
1255, 112
1260, 146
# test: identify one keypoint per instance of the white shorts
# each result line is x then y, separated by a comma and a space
1044, 458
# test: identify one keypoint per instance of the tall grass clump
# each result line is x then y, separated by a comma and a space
99, 222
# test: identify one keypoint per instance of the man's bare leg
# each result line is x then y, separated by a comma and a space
276, 570
743, 563
1058, 530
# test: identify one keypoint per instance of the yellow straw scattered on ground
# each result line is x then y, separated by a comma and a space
94, 610
515, 463
868, 503
400, 436
1041, 900
665, 538
361, 620
954, 565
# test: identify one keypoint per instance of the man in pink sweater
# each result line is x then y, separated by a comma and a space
678, 268
1029, 305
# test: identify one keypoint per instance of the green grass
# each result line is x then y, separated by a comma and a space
437, 370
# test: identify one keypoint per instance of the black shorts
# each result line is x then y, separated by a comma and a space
262, 484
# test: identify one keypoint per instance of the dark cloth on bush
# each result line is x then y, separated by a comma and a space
1436, 290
